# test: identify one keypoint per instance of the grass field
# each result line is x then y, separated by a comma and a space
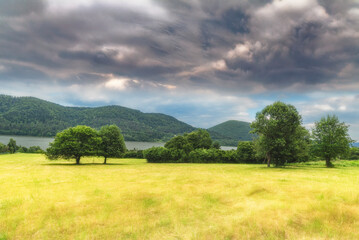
130, 199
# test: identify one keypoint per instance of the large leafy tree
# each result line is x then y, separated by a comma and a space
277, 126
112, 144
75, 143
331, 138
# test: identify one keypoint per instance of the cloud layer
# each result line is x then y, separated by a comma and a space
186, 58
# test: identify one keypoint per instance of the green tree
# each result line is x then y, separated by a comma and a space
331, 138
246, 151
74, 142
301, 146
199, 139
179, 142
113, 143
277, 126
12, 146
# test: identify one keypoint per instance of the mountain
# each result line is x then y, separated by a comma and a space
35, 117
230, 132
356, 144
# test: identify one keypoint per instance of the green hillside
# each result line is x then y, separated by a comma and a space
35, 117
230, 132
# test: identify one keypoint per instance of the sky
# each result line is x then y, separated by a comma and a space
201, 61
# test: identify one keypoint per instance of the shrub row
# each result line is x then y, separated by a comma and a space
200, 155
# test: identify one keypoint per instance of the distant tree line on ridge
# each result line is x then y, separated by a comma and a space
281, 139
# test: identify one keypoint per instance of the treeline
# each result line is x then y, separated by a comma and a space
281, 139
30, 116
12, 147
195, 147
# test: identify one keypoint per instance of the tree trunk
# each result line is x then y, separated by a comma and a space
328, 163
78, 160
268, 159
104, 162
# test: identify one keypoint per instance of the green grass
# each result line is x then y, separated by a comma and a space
130, 199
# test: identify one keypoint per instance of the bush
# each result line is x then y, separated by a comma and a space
213, 156
133, 154
246, 152
3, 148
353, 153
158, 155
35, 149
164, 155
231, 156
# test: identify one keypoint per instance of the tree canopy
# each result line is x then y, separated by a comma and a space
112, 142
75, 143
277, 126
331, 138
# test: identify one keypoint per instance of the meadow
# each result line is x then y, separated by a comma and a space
132, 199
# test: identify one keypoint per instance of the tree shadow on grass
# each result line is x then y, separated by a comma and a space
296, 167
82, 164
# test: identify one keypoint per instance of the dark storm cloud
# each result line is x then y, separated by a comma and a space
276, 44
21, 7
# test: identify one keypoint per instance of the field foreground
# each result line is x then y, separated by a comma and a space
131, 199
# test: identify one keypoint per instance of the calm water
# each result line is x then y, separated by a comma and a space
43, 142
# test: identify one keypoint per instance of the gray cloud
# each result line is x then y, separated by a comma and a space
21, 7
224, 47
276, 44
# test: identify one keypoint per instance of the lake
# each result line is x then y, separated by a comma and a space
43, 142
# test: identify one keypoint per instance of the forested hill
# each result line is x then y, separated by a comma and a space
230, 132
35, 117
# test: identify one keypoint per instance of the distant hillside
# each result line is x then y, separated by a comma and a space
230, 132
35, 117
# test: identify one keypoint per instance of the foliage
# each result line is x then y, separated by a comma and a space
353, 153
3, 148
195, 147
12, 146
331, 139
199, 155
300, 152
74, 142
34, 117
180, 142
199, 139
213, 156
133, 154
230, 132
216, 145
112, 142
277, 126
246, 152
158, 155
32, 149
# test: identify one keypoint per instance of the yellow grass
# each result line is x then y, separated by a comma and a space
130, 199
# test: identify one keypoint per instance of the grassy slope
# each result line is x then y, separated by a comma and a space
134, 200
